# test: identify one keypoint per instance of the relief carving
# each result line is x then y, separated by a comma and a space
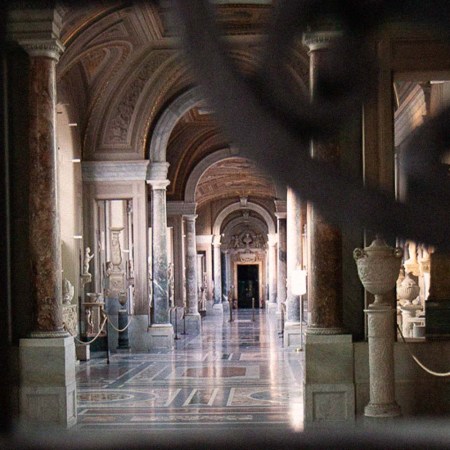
121, 118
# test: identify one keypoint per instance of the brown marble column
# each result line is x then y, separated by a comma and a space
325, 242
45, 244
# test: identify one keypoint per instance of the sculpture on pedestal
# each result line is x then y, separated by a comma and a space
378, 268
87, 259
67, 291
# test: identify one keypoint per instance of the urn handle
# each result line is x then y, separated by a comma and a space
358, 253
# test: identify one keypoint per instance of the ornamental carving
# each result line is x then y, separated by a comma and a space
122, 115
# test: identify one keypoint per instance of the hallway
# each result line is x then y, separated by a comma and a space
235, 375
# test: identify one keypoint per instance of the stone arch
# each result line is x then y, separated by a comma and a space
237, 206
206, 163
168, 120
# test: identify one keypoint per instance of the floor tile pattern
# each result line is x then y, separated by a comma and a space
236, 374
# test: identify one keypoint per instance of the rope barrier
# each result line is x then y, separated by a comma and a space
119, 331
422, 366
91, 341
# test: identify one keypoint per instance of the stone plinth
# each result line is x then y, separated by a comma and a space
292, 335
193, 323
161, 336
48, 386
381, 363
329, 393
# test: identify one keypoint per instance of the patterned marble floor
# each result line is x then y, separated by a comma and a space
235, 375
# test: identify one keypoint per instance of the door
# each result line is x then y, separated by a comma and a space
248, 285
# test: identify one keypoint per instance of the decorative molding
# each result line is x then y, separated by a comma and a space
280, 206
48, 48
114, 170
204, 239
181, 208
320, 40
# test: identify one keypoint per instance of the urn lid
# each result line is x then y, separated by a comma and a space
378, 247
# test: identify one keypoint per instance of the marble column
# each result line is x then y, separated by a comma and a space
281, 260
193, 319
325, 241
228, 282
47, 358
329, 371
218, 306
292, 326
272, 273
161, 330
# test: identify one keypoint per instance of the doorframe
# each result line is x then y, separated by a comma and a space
235, 278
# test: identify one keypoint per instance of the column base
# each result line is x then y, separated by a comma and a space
217, 308
161, 337
382, 410
329, 389
193, 323
272, 308
226, 307
316, 331
48, 386
292, 335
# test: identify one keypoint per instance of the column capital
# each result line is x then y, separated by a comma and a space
216, 240
47, 48
190, 217
320, 40
157, 170
280, 215
158, 184
272, 240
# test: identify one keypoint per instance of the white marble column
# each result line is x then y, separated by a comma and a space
193, 319
292, 328
218, 306
161, 330
272, 273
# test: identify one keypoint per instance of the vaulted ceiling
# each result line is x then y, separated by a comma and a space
123, 67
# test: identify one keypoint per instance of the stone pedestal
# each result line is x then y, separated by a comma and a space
193, 323
292, 335
48, 386
408, 315
381, 363
329, 392
218, 308
122, 322
161, 337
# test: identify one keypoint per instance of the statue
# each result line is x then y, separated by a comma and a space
235, 241
67, 291
116, 252
258, 241
106, 279
87, 259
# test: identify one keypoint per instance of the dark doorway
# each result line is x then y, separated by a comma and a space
248, 285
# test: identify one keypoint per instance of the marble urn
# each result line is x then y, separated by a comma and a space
378, 267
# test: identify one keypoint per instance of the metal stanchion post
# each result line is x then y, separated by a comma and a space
176, 323
253, 309
184, 322
230, 301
